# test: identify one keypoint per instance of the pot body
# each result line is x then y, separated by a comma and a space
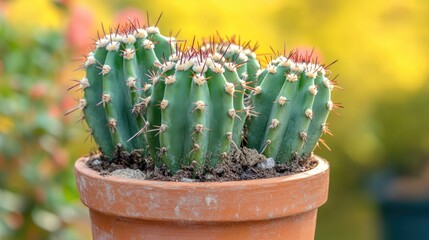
275, 208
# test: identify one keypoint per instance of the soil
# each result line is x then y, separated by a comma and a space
241, 164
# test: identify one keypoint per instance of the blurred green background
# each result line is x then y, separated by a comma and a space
383, 52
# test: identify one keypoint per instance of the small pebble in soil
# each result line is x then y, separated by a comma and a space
268, 163
96, 162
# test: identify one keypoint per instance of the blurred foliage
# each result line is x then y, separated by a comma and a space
403, 131
383, 55
37, 189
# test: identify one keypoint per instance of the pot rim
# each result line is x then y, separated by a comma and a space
247, 200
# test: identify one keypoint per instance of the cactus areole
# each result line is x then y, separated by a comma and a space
191, 105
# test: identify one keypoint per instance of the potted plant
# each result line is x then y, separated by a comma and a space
187, 120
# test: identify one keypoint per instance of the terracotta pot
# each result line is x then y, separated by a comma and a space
276, 208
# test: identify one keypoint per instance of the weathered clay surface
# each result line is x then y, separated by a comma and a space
276, 208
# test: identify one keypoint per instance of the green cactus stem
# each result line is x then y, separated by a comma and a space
264, 96
196, 113
231, 74
322, 106
118, 73
93, 89
292, 104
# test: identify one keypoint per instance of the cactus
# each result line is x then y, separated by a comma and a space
187, 106
118, 75
242, 70
179, 108
197, 115
292, 104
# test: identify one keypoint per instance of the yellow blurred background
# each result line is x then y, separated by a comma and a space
383, 57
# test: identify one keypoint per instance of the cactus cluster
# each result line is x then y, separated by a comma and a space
189, 105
